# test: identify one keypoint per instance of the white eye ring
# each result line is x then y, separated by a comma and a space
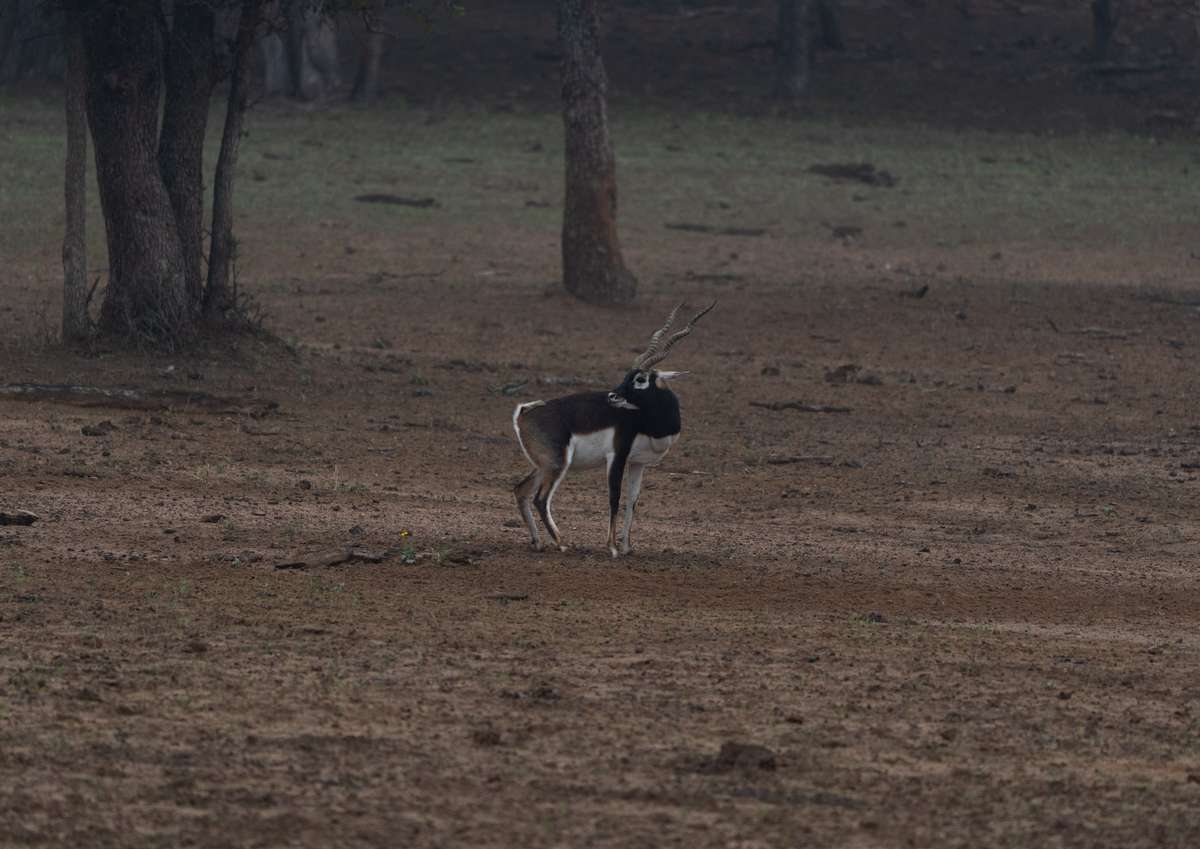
641, 381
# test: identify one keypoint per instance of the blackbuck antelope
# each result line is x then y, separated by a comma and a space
635, 425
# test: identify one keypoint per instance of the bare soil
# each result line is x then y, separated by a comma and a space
961, 612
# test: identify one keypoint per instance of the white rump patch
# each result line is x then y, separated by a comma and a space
517, 428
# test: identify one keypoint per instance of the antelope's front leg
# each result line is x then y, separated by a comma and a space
631, 497
616, 471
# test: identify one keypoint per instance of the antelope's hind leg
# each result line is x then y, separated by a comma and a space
545, 494
524, 492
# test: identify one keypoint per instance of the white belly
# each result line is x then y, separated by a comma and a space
589, 450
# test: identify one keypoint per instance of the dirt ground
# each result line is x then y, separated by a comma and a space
960, 609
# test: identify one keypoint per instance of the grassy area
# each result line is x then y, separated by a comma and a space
497, 179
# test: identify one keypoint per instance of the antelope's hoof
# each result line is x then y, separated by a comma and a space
536, 544
563, 548
612, 549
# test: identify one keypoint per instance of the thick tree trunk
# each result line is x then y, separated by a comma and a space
191, 75
593, 268
75, 324
366, 82
219, 297
146, 299
794, 48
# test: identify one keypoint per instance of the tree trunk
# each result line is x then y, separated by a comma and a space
794, 49
75, 324
366, 82
593, 269
219, 297
191, 75
31, 41
829, 15
312, 53
146, 299
1105, 14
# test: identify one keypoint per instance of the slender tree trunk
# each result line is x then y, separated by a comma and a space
1105, 15
829, 14
794, 49
75, 324
191, 75
146, 299
366, 83
593, 268
219, 296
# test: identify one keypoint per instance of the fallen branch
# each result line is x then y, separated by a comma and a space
861, 172
719, 231
333, 558
397, 200
778, 406
134, 399
788, 461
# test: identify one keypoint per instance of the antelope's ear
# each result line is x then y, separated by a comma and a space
615, 400
671, 375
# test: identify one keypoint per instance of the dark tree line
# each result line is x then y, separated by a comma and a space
141, 75
140, 79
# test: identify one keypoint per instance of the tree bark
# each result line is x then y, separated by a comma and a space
312, 52
75, 324
219, 297
794, 49
593, 268
366, 82
146, 300
31, 43
190, 77
1105, 14
829, 15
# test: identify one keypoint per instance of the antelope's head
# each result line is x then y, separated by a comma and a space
644, 384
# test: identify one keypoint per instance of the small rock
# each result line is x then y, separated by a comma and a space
101, 429
212, 518
876, 618
842, 374
486, 737
196, 647
735, 756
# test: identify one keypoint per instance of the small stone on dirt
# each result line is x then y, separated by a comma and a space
212, 518
735, 756
486, 737
18, 517
196, 647
876, 618
100, 429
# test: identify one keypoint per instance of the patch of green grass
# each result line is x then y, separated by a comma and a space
300, 171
